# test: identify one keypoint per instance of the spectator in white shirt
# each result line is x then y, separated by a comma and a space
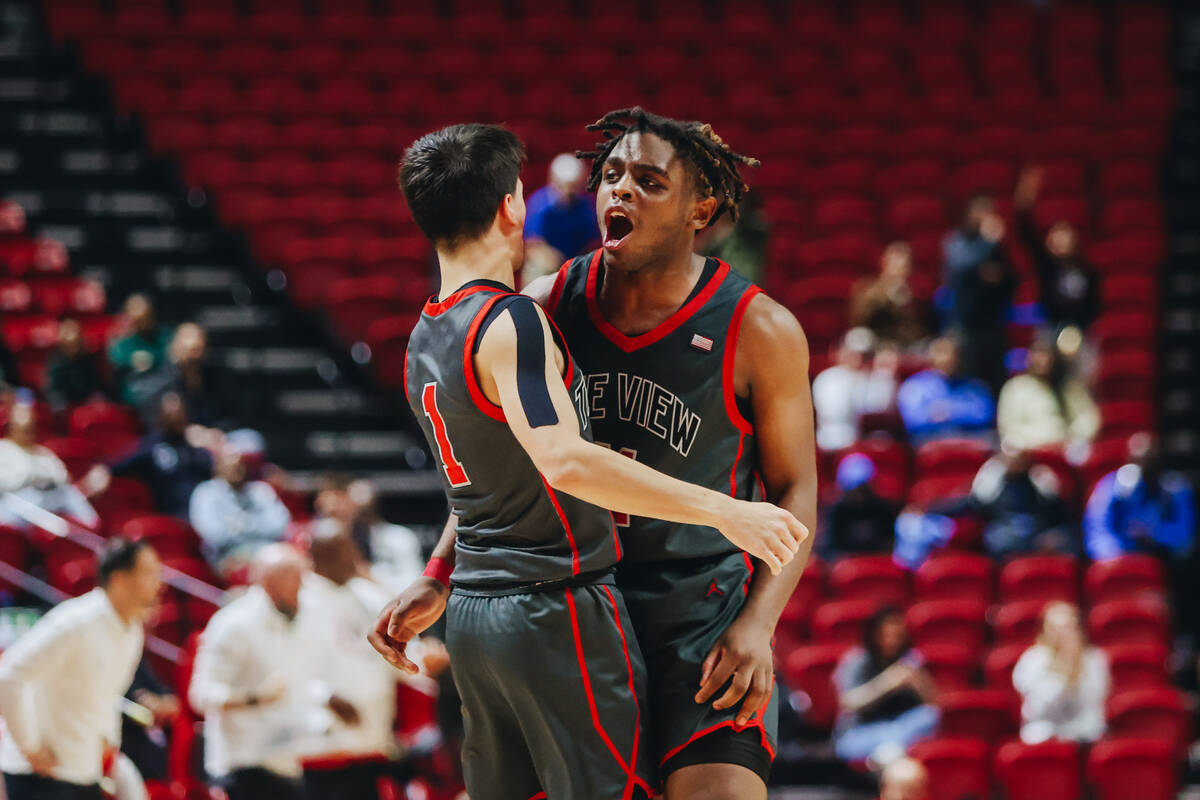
252, 679
395, 555
850, 388
61, 684
1063, 681
351, 758
235, 517
34, 473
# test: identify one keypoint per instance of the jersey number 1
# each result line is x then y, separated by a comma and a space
454, 468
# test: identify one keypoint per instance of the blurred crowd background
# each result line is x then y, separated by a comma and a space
979, 212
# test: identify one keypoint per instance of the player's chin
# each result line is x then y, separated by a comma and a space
622, 256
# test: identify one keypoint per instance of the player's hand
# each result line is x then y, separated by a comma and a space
766, 532
743, 654
42, 761
409, 614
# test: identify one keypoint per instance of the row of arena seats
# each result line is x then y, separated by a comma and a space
1115, 769
1071, 25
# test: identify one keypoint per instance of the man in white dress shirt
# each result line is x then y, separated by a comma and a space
253, 681
62, 682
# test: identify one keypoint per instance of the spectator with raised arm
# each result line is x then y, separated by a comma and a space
1063, 681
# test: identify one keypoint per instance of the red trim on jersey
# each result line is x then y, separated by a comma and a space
637, 731
587, 683
750, 567
556, 291
616, 536
731, 339
434, 307
565, 523
539, 796
406, 397
668, 326
737, 460
481, 400
754, 722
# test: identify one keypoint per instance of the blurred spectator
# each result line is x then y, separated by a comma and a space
942, 401
145, 741
62, 682
904, 779
850, 388
252, 681
170, 465
8, 369
886, 305
139, 359
235, 517
1070, 288
1021, 506
353, 670
979, 284
1063, 681
35, 474
1141, 508
210, 398
885, 692
560, 219
741, 244
12, 219
1044, 405
72, 376
921, 531
859, 521
395, 550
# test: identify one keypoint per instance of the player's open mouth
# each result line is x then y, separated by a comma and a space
617, 226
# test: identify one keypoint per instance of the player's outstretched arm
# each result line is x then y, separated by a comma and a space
412, 611
520, 367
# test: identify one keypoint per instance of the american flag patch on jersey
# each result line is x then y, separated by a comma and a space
702, 343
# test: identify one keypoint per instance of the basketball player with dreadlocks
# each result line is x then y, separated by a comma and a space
548, 678
694, 371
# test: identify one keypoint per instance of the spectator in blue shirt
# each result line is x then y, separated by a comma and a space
560, 219
1141, 508
940, 401
234, 516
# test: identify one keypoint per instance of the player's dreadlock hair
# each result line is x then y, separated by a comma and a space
714, 163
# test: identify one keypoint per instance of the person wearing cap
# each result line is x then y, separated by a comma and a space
859, 521
560, 219
856, 384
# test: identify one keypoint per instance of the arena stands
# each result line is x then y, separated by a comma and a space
239, 158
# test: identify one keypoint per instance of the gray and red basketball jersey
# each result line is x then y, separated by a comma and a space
665, 396
513, 528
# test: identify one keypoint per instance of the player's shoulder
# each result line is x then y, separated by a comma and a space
770, 325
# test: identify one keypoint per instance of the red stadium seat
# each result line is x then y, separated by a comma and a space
914, 211
999, 663
911, 176
169, 536
842, 621
14, 551
926, 491
797, 614
810, 669
1153, 713
947, 622
1047, 771
956, 576
354, 302
951, 665
951, 457
986, 714
875, 578
124, 499
78, 453
1124, 577
388, 340
1145, 769
1137, 666
1043, 578
958, 768
1018, 622
1140, 620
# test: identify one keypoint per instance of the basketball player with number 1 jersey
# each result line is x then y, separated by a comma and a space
551, 684
694, 371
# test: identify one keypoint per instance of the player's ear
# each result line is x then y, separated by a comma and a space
703, 211
509, 214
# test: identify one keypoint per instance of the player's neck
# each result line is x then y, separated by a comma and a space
665, 285
486, 258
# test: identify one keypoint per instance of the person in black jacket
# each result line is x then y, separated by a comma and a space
860, 522
71, 373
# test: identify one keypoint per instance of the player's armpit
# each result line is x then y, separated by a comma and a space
540, 289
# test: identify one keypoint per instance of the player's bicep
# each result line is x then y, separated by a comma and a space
518, 351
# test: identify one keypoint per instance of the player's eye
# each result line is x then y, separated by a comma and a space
649, 182
610, 175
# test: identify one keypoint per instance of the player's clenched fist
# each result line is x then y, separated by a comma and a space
407, 616
767, 532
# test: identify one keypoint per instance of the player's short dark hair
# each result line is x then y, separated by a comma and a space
714, 165
118, 555
454, 179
